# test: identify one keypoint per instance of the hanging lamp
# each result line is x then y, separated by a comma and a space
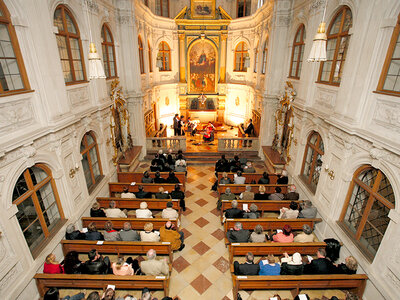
318, 49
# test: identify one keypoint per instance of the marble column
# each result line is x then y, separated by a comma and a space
223, 58
182, 65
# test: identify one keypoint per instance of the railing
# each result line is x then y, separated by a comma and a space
238, 144
164, 143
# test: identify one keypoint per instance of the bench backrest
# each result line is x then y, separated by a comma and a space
137, 176
271, 223
251, 176
118, 187
118, 223
134, 203
239, 188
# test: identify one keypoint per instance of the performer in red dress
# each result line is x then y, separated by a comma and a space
209, 134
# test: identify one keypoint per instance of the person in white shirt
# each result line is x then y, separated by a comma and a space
114, 212
169, 212
127, 194
238, 178
143, 212
148, 235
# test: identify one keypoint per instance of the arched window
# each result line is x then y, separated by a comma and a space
164, 53
256, 58
150, 60
243, 8
141, 58
110, 66
69, 46
39, 210
265, 56
312, 162
91, 160
241, 54
297, 52
162, 8
13, 76
365, 213
331, 70
389, 81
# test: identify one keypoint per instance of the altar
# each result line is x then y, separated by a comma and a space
204, 116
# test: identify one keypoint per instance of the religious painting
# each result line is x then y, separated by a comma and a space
202, 62
203, 9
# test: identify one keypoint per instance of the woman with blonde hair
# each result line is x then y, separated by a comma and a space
96, 211
121, 267
225, 179
148, 235
51, 266
261, 195
348, 267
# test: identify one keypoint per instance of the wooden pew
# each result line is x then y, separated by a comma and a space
239, 188
262, 205
129, 177
162, 248
271, 223
264, 249
118, 223
81, 281
118, 187
251, 176
354, 283
134, 203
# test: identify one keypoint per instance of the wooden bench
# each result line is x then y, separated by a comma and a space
271, 223
134, 203
264, 249
162, 248
354, 283
262, 205
118, 187
81, 281
118, 223
250, 177
129, 177
239, 188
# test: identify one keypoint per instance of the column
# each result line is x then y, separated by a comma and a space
136, 122
182, 65
222, 79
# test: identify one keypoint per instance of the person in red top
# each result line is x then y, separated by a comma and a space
285, 236
51, 266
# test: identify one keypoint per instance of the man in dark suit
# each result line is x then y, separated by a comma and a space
321, 265
250, 128
234, 212
248, 268
292, 195
96, 263
176, 123
238, 234
142, 194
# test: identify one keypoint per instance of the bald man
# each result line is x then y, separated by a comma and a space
152, 266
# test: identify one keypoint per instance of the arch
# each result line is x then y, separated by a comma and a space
241, 54
141, 55
108, 48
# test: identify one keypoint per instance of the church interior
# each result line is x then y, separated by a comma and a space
95, 92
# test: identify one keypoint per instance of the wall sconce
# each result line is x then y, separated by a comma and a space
73, 171
331, 173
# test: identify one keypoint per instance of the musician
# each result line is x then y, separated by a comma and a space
250, 128
181, 125
209, 132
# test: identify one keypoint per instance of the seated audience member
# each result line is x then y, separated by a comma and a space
169, 233
54, 294
292, 195
158, 161
222, 165
178, 194
283, 178
153, 266
93, 296
225, 196
110, 233
261, 195
114, 212
269, 266
162, 157
277, 195
289, 213
72, 234
307, 236
180, 166
264, 179
172, 178
308, 211
51, 266
92, 234
158, 178
284, 236
238, 234
170, 158
143, 212
127, 234
146, 178
72, 263
180, 160
162, 194
275, 297
320, 265
148, 235
233, 212
248, 268
169, 212
127, 194
236, 167
121, 268
292, 265
302, 297
243, 159
249, 168
351, 296
252, 213
179, 155
141, 194
238, 178
155, 167
349, 267
109, 294
225, 179
96, 263
258, 235
233, 162
247, 194
96, 211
